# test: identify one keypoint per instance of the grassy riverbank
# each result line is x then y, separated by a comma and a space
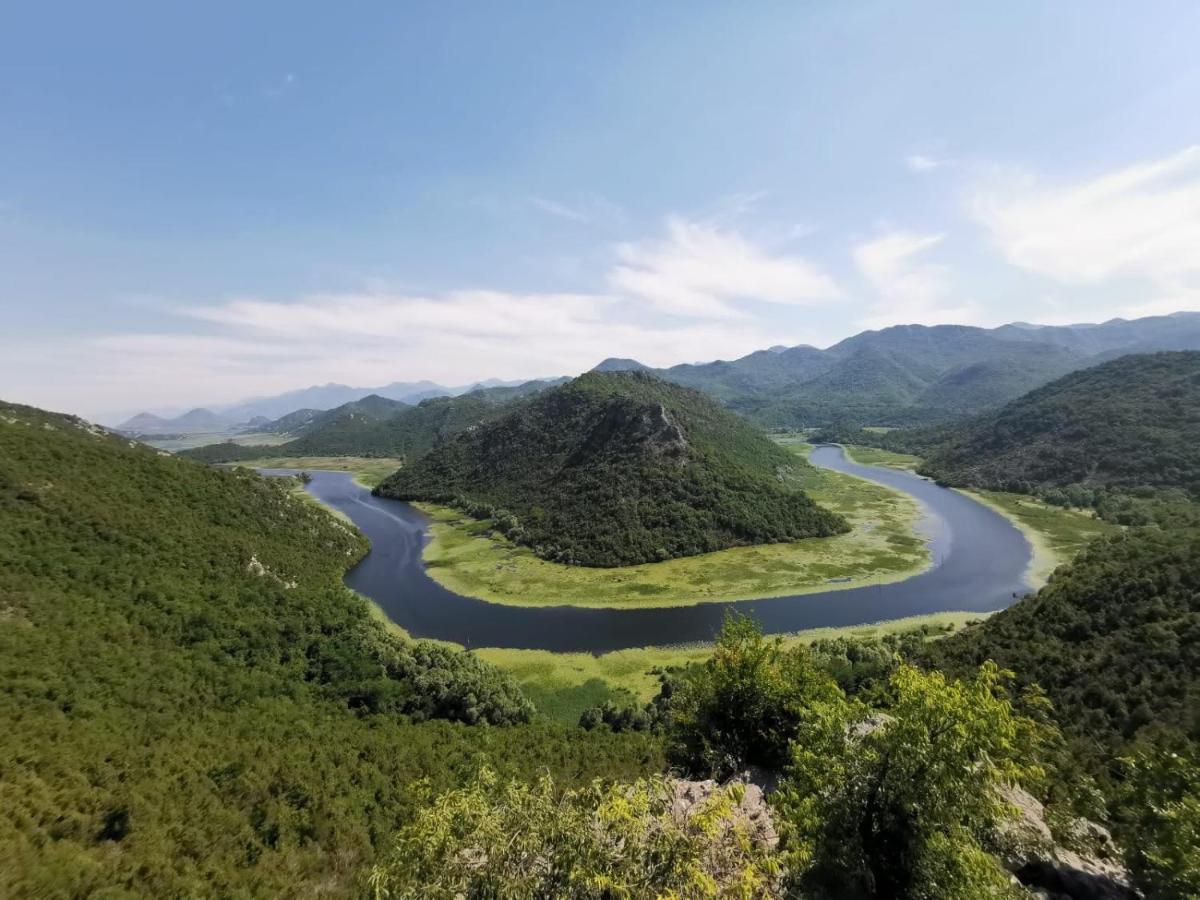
873, 456
1056, 534
465, 557
563, 685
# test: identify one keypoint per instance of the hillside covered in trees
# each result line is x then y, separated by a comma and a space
1114, 639
192, 704
1131, 422
620, 468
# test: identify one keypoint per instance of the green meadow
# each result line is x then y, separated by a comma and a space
873, 456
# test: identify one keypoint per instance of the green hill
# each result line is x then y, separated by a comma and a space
1114, 639
1130, 423
192, 703
620, 468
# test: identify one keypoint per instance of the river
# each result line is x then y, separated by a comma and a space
979, 564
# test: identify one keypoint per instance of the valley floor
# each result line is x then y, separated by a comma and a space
562, 685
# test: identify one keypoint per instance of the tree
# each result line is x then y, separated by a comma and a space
899, 805
1163, 802
745, 704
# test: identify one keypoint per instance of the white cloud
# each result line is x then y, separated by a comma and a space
700, 271
918, 162
1142, 221
264, 346
669, 300
908, 290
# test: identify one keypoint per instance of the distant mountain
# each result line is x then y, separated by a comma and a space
916, 374
1179, 331
191, 421
293, 423
376, 426
618, 468
327, 396
330, 396
199, 418
905, 375
1130, 422
142, 423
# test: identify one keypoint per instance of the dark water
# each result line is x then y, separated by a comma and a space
979, 564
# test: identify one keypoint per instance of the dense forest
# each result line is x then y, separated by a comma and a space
890, 781
1130, 423
619, 468
191, 703
1114, 639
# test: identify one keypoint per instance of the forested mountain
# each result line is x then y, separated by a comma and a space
1114, 639
914, 374
192, 704
1129, 423
619, 468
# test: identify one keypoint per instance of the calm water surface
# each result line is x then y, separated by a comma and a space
980, 561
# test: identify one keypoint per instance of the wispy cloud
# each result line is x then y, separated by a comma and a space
920, 163
701, 271
686, 295
1142, 221
908, 289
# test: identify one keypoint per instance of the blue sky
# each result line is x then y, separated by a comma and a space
201, 202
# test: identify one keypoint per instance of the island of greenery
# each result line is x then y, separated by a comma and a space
617, 469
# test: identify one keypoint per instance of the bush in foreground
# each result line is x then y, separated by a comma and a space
516, 840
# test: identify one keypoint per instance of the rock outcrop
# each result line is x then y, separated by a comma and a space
1051, 870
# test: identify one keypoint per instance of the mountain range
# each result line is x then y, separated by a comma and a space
376, 426
899, 376
915, 374
260, 412
1132, 422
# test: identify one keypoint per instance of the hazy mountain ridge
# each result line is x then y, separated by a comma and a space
904, 375
376, 426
